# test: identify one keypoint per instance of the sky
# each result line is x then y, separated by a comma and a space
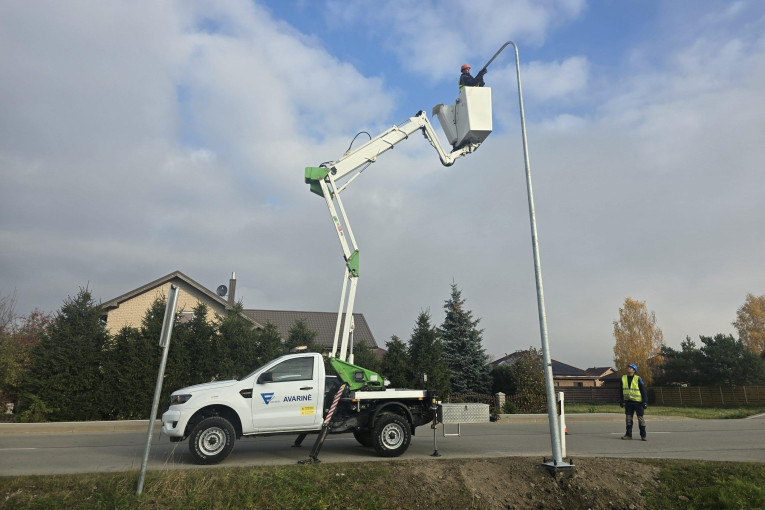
140, 138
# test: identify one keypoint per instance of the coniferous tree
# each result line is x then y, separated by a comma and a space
364, 357
197, 337
426, 356
395, 363
269, 344
464, 355
130, 367
65, 366
236, 345
299, 335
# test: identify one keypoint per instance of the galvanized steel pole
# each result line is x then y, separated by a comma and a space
164, 342
551, 407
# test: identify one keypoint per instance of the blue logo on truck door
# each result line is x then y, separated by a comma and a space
267, 397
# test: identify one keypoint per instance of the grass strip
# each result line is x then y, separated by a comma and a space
701, 413
712, 485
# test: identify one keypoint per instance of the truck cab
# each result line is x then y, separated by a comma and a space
284, 395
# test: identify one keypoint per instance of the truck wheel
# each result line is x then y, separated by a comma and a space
211, 440
391, 435
364, 437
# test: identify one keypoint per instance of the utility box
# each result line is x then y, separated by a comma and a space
468, 120
463, 413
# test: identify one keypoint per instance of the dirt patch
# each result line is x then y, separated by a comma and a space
518, 482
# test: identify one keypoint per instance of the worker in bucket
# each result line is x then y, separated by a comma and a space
467, 80
634, 399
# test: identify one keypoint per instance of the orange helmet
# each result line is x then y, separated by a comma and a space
465, 67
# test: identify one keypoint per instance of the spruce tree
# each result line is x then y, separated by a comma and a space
66, 365
395, 363
426, 355
464, 355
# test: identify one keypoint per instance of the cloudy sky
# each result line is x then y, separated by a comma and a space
139, 138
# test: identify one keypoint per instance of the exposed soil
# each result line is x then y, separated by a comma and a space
518, 482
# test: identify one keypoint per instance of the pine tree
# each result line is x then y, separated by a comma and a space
395, 363
464, 355
65, 366
426, 355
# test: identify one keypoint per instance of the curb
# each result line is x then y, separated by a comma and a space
77, 427
87, 427
582, 418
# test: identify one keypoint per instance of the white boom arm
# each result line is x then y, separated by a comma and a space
324, 182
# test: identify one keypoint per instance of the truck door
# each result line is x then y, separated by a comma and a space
287, 396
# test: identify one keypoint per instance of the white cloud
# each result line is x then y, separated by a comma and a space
546, 81
428, 37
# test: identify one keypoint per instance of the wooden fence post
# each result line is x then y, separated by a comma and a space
745, 399
721, 395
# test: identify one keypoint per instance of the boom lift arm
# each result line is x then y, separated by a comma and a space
324, 180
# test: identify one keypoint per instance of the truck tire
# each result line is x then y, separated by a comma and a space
364, 437
211, 440
391, 435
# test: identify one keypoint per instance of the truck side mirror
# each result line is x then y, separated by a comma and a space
266, 377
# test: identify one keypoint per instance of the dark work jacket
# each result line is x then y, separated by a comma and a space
467, 80
641, 386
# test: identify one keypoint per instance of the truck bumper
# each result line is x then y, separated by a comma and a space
172, 423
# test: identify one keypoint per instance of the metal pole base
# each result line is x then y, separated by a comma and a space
564, 468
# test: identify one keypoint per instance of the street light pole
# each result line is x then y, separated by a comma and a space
557, 461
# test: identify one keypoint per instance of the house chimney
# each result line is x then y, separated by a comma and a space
231, 289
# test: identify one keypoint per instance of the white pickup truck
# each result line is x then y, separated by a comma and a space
292, 395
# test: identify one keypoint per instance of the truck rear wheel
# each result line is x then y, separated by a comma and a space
211, 440
391, 435
364, 437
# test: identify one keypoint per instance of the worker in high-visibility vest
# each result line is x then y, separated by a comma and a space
634, 399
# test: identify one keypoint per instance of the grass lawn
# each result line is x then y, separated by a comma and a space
509, 482
689, 412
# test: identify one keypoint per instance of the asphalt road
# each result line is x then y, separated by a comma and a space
83, 448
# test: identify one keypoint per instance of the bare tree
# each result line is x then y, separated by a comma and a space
638, 338
7, 312
750, 323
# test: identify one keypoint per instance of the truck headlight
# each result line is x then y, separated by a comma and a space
179, 399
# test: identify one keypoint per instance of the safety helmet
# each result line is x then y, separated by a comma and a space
633, 367
465, 67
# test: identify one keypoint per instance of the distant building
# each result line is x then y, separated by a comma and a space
130, 308
565, 375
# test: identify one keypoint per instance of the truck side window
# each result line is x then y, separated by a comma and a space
296, 369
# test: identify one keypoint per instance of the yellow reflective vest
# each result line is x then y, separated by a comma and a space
631, 391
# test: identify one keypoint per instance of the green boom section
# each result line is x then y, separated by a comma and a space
355, 376
313, 175
353, 263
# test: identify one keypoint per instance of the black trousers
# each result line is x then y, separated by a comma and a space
630, 408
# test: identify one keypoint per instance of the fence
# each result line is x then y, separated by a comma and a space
707, 395
590, 395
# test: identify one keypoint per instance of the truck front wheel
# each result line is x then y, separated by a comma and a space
211, 440
364, 437
391, 435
